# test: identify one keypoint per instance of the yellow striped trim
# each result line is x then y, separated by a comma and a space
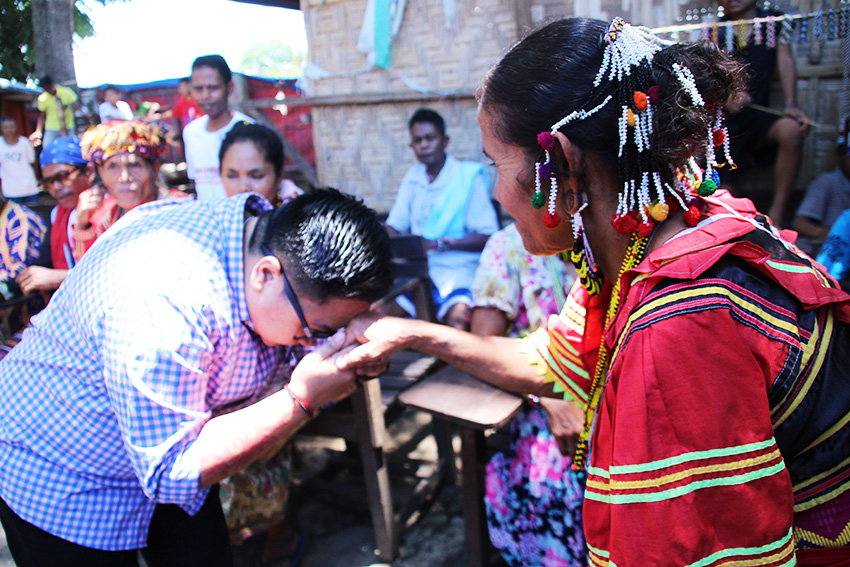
784, 547
686, 458
671, 493
815, 479
816, 366
702, 292
842, 540
808, 349
825, 497
675, 477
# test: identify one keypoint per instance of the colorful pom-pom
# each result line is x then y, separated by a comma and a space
698, 203
659, 211
631, 118
625, 224
692, 216
545, 170
715, 177
710, 105
706, 188
538, 199
551, 220
640, 100
546, 140
645, 228
717, 137
653, 93
672, 204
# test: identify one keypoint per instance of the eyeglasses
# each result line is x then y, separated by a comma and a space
309, 334
62, 178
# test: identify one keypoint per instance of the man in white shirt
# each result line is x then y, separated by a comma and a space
17, 165
112, 107
446, 201
211, 87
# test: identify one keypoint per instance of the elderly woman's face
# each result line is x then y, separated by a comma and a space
514, 187
130, 179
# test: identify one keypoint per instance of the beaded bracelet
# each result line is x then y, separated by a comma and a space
301, 403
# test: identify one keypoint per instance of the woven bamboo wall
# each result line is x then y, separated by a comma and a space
360, 119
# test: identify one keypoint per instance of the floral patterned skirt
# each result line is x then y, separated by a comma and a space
533, 499
255, 499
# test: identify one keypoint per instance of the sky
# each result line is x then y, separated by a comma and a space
138, 41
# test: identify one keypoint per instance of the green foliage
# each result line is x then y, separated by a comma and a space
272, 59
17, 60
15, 36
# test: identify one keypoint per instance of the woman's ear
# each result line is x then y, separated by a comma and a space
566, 168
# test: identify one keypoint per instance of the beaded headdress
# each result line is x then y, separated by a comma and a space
103, 141
645, 198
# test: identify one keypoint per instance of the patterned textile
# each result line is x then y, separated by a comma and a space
533, 498
21, 230
107, 215
527, 288
114, 380
723, 431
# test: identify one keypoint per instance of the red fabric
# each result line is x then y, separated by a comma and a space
59, 239
684, 465
186, 110
835, 557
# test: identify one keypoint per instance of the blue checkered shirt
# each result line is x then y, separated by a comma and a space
147, 338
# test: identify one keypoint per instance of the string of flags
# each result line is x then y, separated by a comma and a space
821, 25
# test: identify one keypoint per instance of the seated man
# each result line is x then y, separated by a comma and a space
447, 203
117, 438
826, 198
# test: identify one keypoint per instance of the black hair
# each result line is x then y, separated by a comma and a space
46, 82
112, 88
265, 139
185, 80
7, 119
429, 116
550, 74
216, 62
331, 244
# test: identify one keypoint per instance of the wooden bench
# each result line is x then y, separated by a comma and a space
454, 396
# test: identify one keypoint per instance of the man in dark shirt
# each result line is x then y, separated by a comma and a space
755, 134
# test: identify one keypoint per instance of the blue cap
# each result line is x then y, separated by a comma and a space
63, 150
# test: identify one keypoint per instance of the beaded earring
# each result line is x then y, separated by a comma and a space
581, 255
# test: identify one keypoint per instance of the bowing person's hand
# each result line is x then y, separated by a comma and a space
318, 379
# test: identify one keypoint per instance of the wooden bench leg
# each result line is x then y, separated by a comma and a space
474, 516
371, 433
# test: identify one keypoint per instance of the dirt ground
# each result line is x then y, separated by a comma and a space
339, 530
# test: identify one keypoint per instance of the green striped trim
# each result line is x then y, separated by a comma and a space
745, 551
682, 490
790, 268
686, 457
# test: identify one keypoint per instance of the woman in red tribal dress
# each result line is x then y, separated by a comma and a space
709, 356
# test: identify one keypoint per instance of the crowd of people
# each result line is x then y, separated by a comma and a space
684, 360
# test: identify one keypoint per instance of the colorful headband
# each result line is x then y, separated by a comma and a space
105, 140
645, 198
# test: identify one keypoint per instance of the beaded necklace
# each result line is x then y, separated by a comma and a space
634, 255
